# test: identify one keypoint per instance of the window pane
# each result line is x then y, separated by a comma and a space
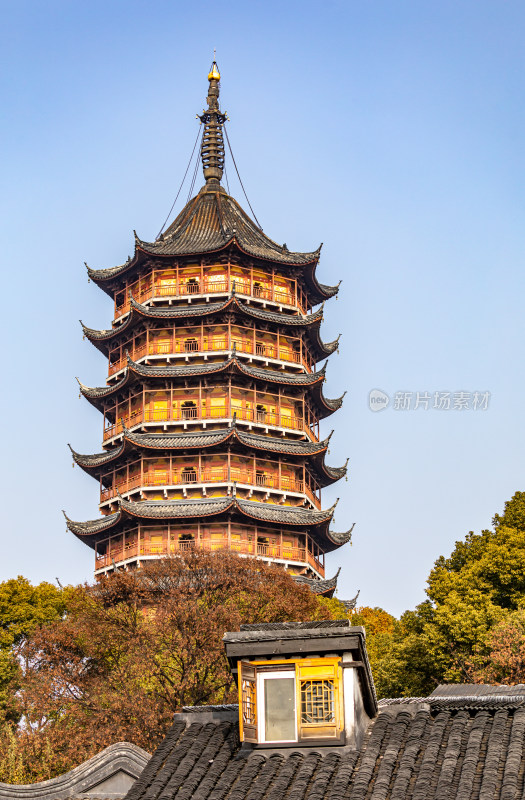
279, 709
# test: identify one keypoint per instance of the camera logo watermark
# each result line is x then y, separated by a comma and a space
378, 400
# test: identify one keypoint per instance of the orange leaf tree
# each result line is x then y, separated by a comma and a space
137, 646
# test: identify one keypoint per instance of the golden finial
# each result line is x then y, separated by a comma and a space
214, 74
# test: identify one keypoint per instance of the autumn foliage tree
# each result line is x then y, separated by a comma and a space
136, 647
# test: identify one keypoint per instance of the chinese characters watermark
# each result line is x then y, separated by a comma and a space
429, 401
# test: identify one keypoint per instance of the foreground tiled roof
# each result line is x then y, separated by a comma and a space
411, 751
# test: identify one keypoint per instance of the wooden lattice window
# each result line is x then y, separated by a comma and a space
319, 698
317, 702
248, 701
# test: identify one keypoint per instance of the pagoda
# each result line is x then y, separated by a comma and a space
214, 396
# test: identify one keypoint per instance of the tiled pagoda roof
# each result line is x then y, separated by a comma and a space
310, 322
208, 223
94, 464
212, 220
313, 380
195, 370
316, 521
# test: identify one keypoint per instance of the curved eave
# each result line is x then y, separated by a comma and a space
295, 321
318, 292
325, 587
134, 370
94, 462
90, 531
105, 277
102, 339
280, 378
289, 259
326, 405
323, 349
205, 439
331, 474
315, 522
339, 539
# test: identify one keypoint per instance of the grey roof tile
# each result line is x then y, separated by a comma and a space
193, 440
279, 377
326, 586
205, 309
316, 521
406, 753
209, 222
92, 526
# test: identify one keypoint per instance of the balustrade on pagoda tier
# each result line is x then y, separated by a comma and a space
201, 281
184, 407
264, 478
297, 550
189, 341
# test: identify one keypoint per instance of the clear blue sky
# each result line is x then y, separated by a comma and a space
390, 130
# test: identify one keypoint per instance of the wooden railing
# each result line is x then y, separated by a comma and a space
197, 286
210, 344
187, 477
144, 549
278, 419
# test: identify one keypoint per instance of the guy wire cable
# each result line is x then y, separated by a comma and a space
182, 183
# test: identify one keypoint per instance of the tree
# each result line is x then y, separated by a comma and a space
471, 625
502, 659
22, 608
137, 646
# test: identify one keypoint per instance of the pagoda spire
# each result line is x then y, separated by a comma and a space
212, 147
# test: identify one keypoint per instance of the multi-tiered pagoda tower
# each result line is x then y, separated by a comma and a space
213, 398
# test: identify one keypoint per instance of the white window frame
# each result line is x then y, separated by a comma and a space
273, 675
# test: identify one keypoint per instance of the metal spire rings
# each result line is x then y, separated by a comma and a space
212, 147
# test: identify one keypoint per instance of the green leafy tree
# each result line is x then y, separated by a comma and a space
475, 597
23, 607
